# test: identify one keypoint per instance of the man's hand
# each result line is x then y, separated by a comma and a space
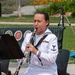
31, 48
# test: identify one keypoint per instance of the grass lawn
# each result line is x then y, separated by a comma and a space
17, 19
69, 41
29, 18
69, 38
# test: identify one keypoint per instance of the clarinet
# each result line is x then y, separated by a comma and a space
25, 54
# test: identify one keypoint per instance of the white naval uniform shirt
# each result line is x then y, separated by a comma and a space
49, 51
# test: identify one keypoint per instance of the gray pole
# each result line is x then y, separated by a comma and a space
19, 8
16, 4
0, 9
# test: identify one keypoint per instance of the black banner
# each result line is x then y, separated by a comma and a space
19, 33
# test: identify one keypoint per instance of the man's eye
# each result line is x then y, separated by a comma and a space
34, 20
39, 21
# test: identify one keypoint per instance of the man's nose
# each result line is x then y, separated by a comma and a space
36, 23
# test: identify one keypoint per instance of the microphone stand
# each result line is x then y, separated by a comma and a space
61, 22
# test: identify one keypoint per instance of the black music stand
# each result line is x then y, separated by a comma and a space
9, 48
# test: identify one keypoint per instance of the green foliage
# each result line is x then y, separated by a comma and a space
71, 60
8, 10
56, 7
50, 9
43, 9
8, 6
69, 5
73, 13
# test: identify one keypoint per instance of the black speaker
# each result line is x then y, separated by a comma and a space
62, 61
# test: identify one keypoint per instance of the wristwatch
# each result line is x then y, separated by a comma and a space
38, 54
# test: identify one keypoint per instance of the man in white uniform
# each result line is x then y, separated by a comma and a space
43, 58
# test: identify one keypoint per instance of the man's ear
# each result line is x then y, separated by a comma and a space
47, 22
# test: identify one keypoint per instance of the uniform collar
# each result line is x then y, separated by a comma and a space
47, 31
